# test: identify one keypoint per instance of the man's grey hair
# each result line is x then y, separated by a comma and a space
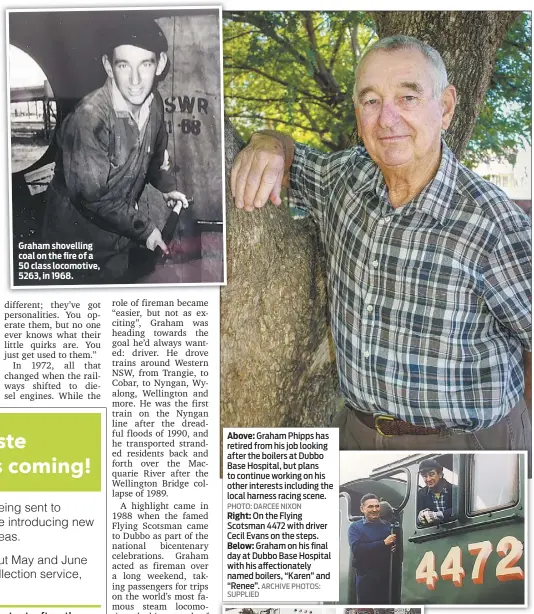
398, 42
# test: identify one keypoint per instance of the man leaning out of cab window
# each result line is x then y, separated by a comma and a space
434, 501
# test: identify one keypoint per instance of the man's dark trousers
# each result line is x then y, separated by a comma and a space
372, 588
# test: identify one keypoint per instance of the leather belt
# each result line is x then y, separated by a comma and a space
388, 426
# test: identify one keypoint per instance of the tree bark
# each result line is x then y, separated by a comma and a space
468, 42
277, 360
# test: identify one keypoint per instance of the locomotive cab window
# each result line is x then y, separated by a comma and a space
437, 491
494, 482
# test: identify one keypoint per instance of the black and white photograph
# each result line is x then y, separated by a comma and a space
116, 147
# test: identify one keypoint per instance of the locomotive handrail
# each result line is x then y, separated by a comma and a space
394, 472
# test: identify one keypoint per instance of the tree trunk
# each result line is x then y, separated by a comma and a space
277, 360
468, 42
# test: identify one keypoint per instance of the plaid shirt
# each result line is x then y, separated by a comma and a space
439, 499
429, 302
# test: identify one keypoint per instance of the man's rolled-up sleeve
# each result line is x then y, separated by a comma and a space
86, 167
507, 277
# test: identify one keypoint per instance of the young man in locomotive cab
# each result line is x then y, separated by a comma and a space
434, 501
371, 543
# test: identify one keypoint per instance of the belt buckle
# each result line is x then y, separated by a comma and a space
382, 417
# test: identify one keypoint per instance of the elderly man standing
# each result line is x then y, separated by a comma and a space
371, 543
428, 265
110, 146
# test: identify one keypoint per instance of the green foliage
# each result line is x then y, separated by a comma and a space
294, 71
505, 119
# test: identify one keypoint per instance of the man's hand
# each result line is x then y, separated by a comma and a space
421, 517
259, 170
429, 517
390, 540
434, 517
175, 197
154, 240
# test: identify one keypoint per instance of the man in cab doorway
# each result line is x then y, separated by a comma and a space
371, 543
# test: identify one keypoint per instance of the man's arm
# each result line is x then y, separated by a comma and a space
507, 278
359, 547
421, 500
527, 369
159, 173
422, 506
261, 169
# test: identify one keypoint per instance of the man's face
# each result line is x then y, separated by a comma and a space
399, 118
371, 509
134, 69
431, 477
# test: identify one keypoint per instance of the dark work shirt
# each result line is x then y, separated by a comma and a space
370, 553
